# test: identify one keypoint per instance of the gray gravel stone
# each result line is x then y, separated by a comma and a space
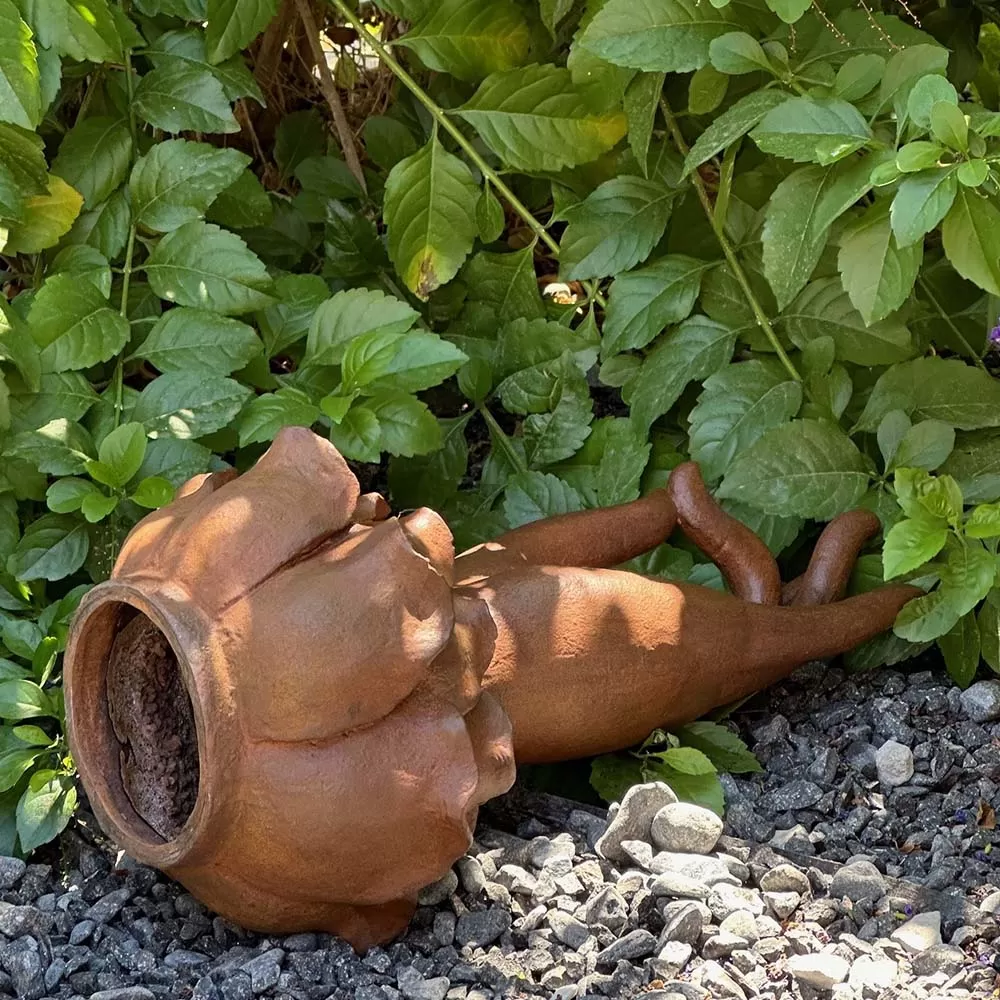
686, 828
722, 945
821, 971
470, 872
861, 880
894, 764
415, 987
16, 921
920, 933
482, 927
703, 869
685, 926
678, 886
437, 892
785, 878
981, 701
726, 899
607, 909
876, 974
571, 932
782, 904
108, 907
634, 817
635, 944
939, 958
797, 794
124, 993
11, 870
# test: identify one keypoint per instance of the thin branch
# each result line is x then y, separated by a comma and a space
727, 249
328, 88
367, 38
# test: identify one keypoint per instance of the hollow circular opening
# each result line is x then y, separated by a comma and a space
153, 721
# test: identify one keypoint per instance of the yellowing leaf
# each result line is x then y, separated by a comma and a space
47, 218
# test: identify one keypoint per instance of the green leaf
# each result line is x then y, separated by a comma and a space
724, 749
975, 465
818, 130
553, 12
736, 53
530, 496
702, 789
194, 340
243, 205
613, 774
153, 492
430, 211
967, 575
949, 125
983, 521
642, 302
358, 435
934, 388
20, 91
824, 309
877, 273
490, 220
67, 395
971, 235
925, 445
504, 284
33, 736
807, 468
988, 622
668, 35
15, 761
920, 494
45, 219
406, 426
234, 24
926, 92
553, 436
84, 30
640, 103
777, 533
470, 38
351, 314
921, 202
60, 447
22, 700
734, 123
22, 637
960, 648
911, 543
799, 215
52, 547
105, 227
73, 325
182, 97
94, 158
174, 460
926, 618
84, 262
120, 455
188, 404
177, 180
300, 135
859, 76
614, 228
707, 90
187, 45
905, 68
432, 480
409, 362
387, 141
23, 171
790, 10
97, 507
736, 407
686, 760
65, 495
536, 118
288, 320
45, 809
697, 348
205, 267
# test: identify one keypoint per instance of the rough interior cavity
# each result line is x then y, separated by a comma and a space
152, 717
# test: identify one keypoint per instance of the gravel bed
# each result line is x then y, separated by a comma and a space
825, 884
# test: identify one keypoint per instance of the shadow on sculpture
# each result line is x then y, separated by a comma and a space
294, 703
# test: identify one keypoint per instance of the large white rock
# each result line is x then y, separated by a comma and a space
686, 828
894, 763
634, 818
821, 971
919, 933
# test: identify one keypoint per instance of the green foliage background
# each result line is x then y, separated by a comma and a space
774, 225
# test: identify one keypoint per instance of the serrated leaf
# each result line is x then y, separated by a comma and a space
406, 426
777, 533
911, 543
265, 415
925, 445
877, 273
52, 547
288, 320
490, 220
188, 405
174, 460
67, 394
430, 211
60, 447
806, 468
243, 205
505, 284
234, 24
23, 172
697, 348
736, 407
195, 340
105, 227
83, 262
358, 435
536, 118
961, 647
387, 141
183, 97
824, 309
205, 267
94, 158
530, 496
84, 30
640, 103
20, 90
642, 302
732, 124
922, 201
187, 45
668, 35
614, 228
934, 388
558, 434
983, 521
45, 219
73, 325
177, 180
404, 362
975, 465
723, 748
470, 38
798, 220
817, 130
971, 236
967, 574
350, 314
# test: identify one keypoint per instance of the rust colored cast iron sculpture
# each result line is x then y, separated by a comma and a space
294, 703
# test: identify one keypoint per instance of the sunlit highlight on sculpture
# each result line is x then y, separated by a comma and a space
295, 703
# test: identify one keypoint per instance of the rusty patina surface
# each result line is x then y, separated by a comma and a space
342, 692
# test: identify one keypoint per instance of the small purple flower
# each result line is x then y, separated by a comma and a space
908, 910
994, 337
961, 815
982, 856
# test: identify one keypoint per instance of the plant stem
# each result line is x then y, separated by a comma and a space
727, 249
445, 122
499, 435
926, 289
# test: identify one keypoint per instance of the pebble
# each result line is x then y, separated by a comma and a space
482, 927
861, 880
635, 944
821, 971
874, 973
415, 987
981, 701
678, 886
726, 899
938, 958
722, 945
782, 904
785, 878
709, 870
894, 763
634, 817
11, 870
919, 933
686, 828
570, 931
684, 926
437, 892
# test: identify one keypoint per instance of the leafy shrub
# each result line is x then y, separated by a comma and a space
534, 253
